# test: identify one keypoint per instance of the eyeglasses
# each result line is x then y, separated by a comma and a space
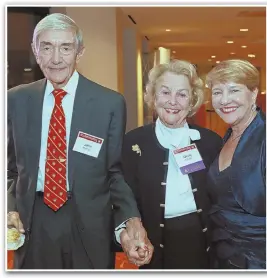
63, 49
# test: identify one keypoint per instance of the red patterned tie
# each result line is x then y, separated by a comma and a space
55, 188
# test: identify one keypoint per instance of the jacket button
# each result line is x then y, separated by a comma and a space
165, 163
161, 245
208, 249
194, 190
163, 183
199, 210
204, 230
162, 205
161, 225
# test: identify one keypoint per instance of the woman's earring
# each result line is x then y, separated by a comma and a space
190, 108
253, 107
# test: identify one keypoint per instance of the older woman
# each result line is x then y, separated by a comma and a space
166, 164
237, 177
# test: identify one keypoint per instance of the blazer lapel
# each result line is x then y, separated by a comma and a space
34, 123
81, 118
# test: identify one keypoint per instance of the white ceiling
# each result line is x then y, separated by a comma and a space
199, 32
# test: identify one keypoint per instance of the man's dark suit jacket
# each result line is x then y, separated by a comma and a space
96, 183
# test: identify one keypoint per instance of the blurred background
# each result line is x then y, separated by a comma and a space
124, 43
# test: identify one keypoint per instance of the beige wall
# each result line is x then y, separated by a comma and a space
99, 26
120, 26
99, 62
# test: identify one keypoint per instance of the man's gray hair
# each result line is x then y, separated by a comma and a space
57, 21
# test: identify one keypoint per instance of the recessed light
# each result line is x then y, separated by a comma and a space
168, 30
209, 60
232, 53
230, 41
263, 93
217, 62
251, 55
213, 56
244, 46
174, 52
243, 30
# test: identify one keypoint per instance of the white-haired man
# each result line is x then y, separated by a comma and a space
64, 175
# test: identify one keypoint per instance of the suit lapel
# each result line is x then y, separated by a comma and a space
81, 117
34, 123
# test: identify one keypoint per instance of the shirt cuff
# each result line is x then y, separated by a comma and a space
119, 229
118, 234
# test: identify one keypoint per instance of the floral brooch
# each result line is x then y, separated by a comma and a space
136, 149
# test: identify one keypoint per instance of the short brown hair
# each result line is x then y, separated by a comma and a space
238, 71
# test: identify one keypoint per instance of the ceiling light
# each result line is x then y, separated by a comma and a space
244, 46
213, 56
263, 93
209, 60
168, 30
243, 30
174, 52
217, 62
232, 53
251, 55
230, 41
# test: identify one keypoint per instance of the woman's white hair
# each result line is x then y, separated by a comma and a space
57, 21
179, 67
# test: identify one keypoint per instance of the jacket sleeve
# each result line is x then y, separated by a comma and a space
122, 197
12, 172
263, 162
130, 156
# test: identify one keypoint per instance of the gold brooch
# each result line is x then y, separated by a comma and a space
136, 149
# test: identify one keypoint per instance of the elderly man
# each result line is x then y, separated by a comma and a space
64, 175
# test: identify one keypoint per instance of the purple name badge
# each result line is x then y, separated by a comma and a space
187, 169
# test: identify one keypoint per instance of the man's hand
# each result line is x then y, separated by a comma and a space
135, 243
13, 220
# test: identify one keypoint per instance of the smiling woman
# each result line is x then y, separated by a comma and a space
237, 178
172, 197
178, 79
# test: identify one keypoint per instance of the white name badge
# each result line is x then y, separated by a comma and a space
88, 144
188, 159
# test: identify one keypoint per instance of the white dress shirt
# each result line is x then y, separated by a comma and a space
67, 104
179, 198
48, 105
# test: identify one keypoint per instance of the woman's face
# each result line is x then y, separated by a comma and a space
172, 99
233, 102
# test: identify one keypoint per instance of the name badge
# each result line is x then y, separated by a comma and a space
88, 144
188, 159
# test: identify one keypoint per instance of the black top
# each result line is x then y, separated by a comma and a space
238, 194
146, 173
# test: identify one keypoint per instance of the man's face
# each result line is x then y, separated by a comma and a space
56, 52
